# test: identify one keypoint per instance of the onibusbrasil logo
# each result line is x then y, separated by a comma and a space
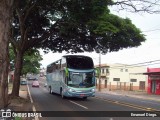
10, 114
5, 114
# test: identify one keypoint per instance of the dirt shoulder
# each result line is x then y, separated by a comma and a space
21, 103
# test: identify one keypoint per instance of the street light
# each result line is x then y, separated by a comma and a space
99, 88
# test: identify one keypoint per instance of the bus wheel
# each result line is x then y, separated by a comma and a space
62, 94
50, 90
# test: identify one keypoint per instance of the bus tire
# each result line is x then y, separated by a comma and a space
50, 90
63, 97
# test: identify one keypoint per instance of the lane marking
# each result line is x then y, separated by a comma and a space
78, 104
127, 104
33, 107
29, 93
150, 102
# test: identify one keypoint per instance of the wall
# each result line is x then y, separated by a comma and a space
125, 73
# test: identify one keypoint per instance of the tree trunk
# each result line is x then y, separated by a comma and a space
17, 74
5, 15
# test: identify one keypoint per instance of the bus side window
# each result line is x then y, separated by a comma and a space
53, 67
58, 65
49, 69
63, 63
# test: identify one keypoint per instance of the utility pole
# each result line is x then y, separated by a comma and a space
99, 88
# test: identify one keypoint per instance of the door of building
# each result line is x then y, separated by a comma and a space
141, 85
153, 85
105, 83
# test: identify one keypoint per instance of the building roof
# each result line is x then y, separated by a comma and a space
102, 65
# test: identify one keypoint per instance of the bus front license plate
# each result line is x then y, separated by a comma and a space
82, 95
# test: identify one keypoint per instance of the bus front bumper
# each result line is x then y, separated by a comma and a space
74, 94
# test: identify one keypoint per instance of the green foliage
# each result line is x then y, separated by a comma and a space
31, 62
73, 26
11, 54
115, 33
89, 26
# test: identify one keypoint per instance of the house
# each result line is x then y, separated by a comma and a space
122, 77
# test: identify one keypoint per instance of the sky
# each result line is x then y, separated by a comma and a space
147, 53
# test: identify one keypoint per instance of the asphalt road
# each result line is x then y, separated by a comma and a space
92, 108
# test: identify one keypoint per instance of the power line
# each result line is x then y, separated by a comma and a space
151, 30
137, 63
145, 65
154, 62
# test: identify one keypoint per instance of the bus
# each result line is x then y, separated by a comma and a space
72, 76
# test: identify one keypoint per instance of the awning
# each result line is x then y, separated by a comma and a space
151, 73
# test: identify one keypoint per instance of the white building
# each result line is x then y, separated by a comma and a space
123, 77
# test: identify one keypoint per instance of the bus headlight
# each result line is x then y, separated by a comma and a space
71, 90
93, 90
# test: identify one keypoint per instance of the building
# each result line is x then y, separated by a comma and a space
122, 77
153, 80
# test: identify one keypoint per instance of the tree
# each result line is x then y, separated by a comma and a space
149, 6
31, 62
26, 33
70, 25
5, 17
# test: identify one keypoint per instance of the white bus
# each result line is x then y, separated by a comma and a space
72, 76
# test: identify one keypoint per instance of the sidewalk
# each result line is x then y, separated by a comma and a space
135, 94
23, 92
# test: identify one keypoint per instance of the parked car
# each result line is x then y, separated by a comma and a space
35, 83
23, 82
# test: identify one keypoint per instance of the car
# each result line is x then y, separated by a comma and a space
23, 82
32, 78
35, 83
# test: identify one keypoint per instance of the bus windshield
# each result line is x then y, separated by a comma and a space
83, 80
79, 62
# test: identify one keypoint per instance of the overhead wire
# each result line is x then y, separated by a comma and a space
154, 62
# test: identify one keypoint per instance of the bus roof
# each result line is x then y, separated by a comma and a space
69, 56
75, 56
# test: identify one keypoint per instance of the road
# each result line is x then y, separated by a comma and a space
95, 106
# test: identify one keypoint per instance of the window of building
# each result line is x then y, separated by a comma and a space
126, 70
103, 71
121, 70
133, 80
116, 79
107, 70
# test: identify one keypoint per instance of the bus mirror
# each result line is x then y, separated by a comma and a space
66, 71
97, 71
